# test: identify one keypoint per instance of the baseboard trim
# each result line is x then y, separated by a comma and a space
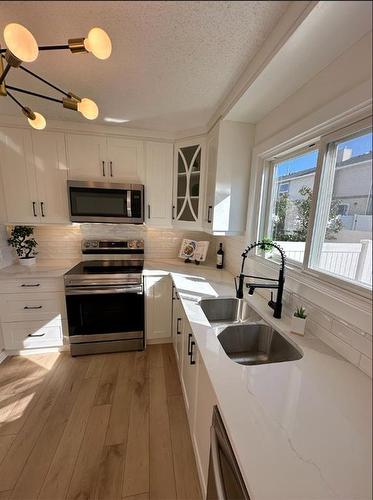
40, 350
3, 356
167, 340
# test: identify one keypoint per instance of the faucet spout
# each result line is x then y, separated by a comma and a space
274, 285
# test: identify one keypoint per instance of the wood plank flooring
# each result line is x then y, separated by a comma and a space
104, 427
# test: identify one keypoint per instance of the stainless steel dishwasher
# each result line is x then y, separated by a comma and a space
225, 480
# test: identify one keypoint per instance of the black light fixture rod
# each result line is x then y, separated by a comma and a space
2, 51
34, 94
54, 47
5, 72
44, 81
16, 101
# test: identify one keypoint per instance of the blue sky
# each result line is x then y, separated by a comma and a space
359, 145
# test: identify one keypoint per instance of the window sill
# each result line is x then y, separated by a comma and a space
344, 291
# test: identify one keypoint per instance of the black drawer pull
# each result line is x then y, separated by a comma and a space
30, 286
32, 307
189, 344
177, 326
36, 334
192, 361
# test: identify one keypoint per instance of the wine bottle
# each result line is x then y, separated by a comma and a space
220, 257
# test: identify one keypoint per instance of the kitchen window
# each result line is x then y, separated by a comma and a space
341, 243
291, 185
318, 206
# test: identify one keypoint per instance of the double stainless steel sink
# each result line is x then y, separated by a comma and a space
244, 336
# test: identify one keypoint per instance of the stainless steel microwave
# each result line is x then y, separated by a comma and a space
104, 202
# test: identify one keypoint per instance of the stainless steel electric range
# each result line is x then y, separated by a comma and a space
105, 298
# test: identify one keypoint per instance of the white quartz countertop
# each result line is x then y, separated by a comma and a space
300, 430
41, 269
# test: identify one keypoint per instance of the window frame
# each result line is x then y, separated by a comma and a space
323, 143
269, 167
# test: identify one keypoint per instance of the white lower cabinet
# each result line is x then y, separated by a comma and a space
178, 319
33, 313
33, 334
199, 395
158, 306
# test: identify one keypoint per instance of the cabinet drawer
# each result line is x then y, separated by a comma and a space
32, 334
27, 306
29, 285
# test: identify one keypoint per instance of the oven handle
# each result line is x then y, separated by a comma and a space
95, 291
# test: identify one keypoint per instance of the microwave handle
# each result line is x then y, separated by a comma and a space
129, 204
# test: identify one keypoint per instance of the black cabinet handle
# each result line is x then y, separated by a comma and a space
192, 361
177, 326
209, 214
36, 334
30, 286
190, 336
173, 212
111, 169
148, 211
34, 208
32, 307
42, 208
103, 168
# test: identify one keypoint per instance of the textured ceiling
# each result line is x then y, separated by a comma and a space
171, 65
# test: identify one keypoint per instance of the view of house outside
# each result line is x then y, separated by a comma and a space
346, 249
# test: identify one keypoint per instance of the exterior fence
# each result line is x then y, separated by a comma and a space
350, 260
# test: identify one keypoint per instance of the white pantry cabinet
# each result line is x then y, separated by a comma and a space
158, 185
189, 172
33, 173
229, 147
158, 306
105, 159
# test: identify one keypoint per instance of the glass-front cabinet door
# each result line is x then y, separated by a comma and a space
189, 158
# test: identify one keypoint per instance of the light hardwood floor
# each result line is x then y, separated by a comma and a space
104, 427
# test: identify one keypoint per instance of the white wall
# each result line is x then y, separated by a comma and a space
342, 320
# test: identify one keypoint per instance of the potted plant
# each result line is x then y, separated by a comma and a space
298, 321
266, 247
21, 239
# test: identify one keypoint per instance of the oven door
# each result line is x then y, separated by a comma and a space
105, 313
101, 202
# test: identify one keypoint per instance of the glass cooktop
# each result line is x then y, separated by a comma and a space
107, 267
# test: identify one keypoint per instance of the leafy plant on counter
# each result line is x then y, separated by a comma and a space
300, 313
21, 239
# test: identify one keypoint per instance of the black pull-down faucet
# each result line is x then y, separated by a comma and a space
275, 284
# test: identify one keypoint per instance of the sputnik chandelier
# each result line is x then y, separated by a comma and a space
23, 48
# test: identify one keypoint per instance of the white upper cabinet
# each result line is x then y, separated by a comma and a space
51, 176
105, 159
229, 155
125, 160
189, 184
33, 174
18, 176
87, 156
158, 184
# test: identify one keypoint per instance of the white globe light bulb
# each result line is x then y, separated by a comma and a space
88, 108
21, 42
38, 123
98, 42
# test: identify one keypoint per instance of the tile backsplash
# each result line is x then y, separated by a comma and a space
64, 242
352, 343
6, 253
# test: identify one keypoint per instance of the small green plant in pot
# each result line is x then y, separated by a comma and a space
266, 247
22, 240
298, 321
